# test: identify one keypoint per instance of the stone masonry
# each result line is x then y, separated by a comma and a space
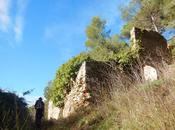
94, 81
153, 46
97, 79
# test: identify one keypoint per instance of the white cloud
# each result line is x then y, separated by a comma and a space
18, 29
4, 14
12, 19
19, 20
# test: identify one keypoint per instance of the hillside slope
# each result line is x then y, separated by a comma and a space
144, 106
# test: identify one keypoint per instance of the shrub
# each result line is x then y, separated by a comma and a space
62, 83
13, 111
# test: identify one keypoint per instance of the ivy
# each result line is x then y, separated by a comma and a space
62, 83
67, 72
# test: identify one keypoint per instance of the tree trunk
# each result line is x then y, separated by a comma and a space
154, 25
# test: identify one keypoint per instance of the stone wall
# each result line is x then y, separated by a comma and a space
154, 48
78, 95
154, 53
54, 112
96, 80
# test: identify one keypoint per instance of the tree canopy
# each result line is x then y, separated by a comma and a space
156, 15
96, 33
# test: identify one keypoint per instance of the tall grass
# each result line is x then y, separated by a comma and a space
149, 108
142, 106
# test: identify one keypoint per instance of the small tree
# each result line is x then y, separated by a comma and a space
96, 33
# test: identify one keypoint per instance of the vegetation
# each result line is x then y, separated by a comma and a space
65, 76
96, 33
144, 106
126, 109
157, 15
13, 112
102, 47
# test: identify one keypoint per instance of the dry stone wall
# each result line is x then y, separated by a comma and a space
97, 79
154, 53
78, 95
53, 111
94, 79
154, 48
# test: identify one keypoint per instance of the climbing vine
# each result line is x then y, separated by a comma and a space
61, 85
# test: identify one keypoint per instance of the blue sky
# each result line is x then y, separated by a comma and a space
37, 36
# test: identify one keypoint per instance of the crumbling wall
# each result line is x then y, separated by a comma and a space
153, 52
53, 111
96, 80
154, 48
78, 95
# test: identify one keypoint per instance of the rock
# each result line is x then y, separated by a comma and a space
150, 73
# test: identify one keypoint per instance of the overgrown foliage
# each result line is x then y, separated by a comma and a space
61, 85
65, 76
157, 15
126, 110
102, 47
13, 112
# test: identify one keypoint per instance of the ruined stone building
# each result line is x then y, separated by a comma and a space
95, 79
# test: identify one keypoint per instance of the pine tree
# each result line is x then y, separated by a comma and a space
156, 15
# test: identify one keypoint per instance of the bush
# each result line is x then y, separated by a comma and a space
108, 51
63, 81
13, 112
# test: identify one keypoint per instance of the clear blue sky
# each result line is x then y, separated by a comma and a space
37, 36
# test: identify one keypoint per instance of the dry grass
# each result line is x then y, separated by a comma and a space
150, 108
144, 106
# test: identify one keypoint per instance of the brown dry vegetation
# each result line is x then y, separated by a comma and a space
145, 106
